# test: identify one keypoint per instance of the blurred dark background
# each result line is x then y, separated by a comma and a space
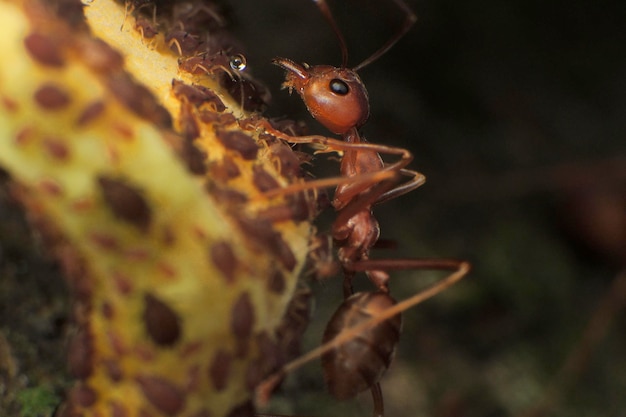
516, 113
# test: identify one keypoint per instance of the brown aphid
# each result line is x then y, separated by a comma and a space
126, 202
182, 42
212, 64
239, 142
297, 208
44, 49
321, 259
359, 363
262, 180
286, 160
242, 317
224, 259
225, 196
161, 322
90, 113
251, 95
222, 119
219, 371
264, 235
100, 56
71, 12
276, 282
224, 170
290, 127
194, 157
52, 97
138, 99
146, 27
294, 323
269, 359
162, 394
197, 95
186, 119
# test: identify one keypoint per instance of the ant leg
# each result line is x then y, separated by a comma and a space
357, 183
377, 397
264, 389
417, 181
405, 264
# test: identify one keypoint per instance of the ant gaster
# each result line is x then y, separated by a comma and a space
360, 339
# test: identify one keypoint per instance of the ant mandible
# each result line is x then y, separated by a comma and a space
360, 339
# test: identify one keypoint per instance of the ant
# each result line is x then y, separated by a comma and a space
361, 337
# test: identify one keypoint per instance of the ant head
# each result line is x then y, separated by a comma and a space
336, 97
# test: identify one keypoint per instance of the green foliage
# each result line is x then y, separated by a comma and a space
37, 402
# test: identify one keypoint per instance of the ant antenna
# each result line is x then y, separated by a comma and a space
408, 22
323, 6
410, 19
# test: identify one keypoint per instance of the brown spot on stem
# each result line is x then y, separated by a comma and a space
44, 49
138, 99
160, 321
100, 57
219, 370
9, 104
56, 148
276, 282
162, 394
262, 180
242, 317
126, 202
51, 187
90, 113
225, 260
238, 142
197, 95
52, 97
266, 238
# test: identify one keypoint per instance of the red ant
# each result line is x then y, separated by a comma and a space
337, 98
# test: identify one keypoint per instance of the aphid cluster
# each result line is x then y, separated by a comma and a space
195, 31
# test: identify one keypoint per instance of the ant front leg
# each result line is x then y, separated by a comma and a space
358, 183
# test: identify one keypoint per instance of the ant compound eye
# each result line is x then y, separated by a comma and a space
339, 87
238, 62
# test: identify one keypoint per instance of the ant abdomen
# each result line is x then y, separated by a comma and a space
358, 364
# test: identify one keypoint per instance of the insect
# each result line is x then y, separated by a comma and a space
360, 339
